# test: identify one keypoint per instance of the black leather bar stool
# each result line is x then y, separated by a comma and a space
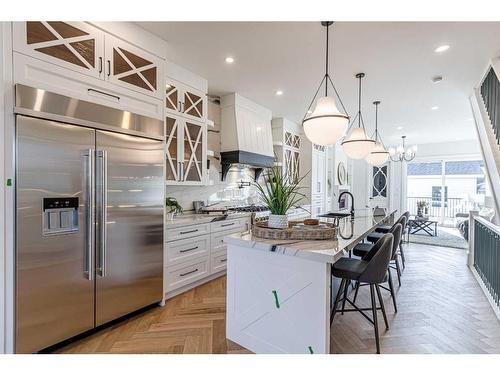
362, 249
373, 271
375, 236
385, 228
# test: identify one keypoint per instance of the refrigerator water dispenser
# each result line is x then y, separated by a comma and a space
60, 216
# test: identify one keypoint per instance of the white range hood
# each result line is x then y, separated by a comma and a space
246, 137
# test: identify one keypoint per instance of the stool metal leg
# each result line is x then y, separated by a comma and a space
356, 292
346, 288
391, 286
398, 269
382, 306
402, 255
374, 312
337, 299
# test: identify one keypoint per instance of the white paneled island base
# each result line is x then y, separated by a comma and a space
279, 292
277, 304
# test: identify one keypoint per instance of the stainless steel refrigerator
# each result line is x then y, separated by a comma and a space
89, 207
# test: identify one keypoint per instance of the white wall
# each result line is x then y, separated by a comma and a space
463, 149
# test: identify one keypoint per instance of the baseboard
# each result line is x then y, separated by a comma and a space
493, 305
185, 288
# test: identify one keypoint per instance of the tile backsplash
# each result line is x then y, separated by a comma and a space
217, 191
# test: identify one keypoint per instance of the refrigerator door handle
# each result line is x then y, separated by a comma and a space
90, 212
103, 210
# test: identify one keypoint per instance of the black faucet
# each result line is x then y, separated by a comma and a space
352, 200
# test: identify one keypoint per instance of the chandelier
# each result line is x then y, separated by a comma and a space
401, 153
325, 125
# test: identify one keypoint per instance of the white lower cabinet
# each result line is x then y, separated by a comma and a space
186, 250
186, 273
194, 254
218, 262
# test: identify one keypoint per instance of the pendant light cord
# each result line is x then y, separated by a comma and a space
359, 103
376, 121
326, 62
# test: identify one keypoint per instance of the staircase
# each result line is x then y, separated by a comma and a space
485, 103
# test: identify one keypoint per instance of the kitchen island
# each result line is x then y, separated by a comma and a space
279, 292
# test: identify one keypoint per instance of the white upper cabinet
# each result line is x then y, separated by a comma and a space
73, 45
181, 99
185, 151
133, 68
86, 49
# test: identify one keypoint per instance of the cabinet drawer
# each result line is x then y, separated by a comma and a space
186, 232
185, 250
225, 225
217, 240
183, 274
218, 262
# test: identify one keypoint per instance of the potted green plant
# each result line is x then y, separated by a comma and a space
279, 193
173, 207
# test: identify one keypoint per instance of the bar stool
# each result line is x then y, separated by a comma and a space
363, 249
375, 236
372, 271
386, 227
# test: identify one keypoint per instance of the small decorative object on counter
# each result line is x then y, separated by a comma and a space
173, 207
421, 206
279, 193
311, 222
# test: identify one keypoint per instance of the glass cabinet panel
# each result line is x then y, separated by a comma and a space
193, 152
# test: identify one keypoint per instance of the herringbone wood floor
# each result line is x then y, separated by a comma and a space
441, 309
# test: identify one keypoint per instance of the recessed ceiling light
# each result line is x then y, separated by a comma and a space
229, 60
437, 79
435, 108
279, 92
309, 111
442, 48
399, 128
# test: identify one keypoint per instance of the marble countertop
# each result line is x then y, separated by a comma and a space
192, 219
351, 232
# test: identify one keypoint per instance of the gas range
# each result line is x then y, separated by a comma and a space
250, 208
259, 213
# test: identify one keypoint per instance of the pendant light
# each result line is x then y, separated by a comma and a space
357, 145
325, 125
379, 154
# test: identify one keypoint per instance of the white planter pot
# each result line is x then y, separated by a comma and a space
169, 216
277, 221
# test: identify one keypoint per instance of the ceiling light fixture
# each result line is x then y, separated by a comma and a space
442, 48
399, 128
279, 92
229, 60
437, 79
325, 125
357, 145
435, 108
401, 153
379, 154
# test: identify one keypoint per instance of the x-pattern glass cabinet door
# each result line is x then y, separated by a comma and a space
74, 45
194, 154
173, 130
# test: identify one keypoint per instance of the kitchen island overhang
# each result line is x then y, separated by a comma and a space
279, 292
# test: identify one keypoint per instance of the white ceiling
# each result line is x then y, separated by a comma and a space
398, 59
